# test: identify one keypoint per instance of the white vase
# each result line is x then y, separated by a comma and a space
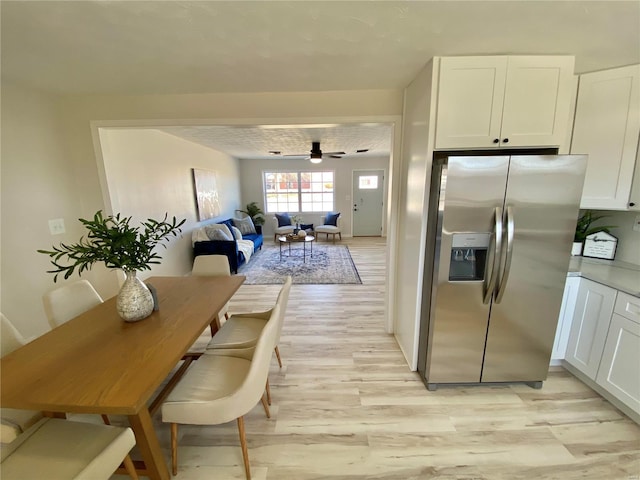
576, 249
134, 301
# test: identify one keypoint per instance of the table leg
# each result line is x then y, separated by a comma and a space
304, 252
149, 446
280, 243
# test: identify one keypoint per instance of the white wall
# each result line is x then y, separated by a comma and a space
36, 186
252, 186
417, 153
628, 240
149, 174
50, 170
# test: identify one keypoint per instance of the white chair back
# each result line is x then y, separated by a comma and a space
252, 389
10, 337
211, 265
281, 302
68, 301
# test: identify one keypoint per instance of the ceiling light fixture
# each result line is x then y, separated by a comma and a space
315, 157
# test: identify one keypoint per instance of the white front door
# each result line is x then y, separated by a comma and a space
368, 198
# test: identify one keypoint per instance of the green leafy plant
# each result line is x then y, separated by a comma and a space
113, 241
255, 212
584, 228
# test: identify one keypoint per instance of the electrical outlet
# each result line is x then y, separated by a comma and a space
56, 226
636, 224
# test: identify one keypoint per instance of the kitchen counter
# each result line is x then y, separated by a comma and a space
615, 274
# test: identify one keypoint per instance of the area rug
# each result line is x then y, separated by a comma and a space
330, 264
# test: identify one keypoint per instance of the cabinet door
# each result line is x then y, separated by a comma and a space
619, 370
606, 128
537, 101
566, 316
470, 94
594, 307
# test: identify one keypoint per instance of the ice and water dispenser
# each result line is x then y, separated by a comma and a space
468, 256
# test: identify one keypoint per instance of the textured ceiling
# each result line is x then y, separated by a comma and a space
172, 47
257, 141
159, 47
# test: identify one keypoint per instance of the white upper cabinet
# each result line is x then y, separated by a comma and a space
606, 127
503, 101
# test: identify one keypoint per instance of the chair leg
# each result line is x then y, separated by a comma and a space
268, 392
174, 448
265, 405
278, 356
130, 467
243, 445
128, 463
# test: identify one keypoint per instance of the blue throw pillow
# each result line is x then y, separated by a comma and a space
331, 219
283, 219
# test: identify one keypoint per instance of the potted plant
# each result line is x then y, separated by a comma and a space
584, 228
255, 212
114, 242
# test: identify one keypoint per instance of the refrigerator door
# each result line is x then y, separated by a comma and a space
471, 188
541, 207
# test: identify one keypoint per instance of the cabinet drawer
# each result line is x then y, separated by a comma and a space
628, 306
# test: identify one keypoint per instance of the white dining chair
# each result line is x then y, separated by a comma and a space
13, 421
213, 266
66, 302
239, 335
218, 389
60, 449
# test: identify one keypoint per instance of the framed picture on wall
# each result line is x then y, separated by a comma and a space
206, 192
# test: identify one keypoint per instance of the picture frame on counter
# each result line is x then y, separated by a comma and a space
600, 245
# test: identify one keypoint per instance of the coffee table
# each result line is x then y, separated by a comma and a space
285, 239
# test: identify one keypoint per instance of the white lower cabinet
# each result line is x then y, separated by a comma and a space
591, 318
619, 370
603, 349
565, 318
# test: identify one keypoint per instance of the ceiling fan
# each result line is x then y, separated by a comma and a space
315, 155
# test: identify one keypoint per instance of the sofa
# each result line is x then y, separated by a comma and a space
204, 245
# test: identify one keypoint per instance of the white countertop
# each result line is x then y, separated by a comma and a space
619, 275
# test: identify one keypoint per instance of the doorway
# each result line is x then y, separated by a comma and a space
368, 202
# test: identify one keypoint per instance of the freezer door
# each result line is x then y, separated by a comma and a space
541, 207
471, 189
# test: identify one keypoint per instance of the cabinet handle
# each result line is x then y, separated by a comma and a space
632, 204
495, 140
506, 140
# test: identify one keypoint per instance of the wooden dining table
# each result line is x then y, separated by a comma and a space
98, 363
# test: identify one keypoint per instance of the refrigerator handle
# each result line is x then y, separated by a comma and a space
490, 278
502, 285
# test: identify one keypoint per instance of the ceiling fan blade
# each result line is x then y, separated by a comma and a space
334, 153
335, 156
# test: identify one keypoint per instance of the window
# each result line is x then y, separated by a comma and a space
368, 182
298, 191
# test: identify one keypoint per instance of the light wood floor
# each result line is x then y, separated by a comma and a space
346, 406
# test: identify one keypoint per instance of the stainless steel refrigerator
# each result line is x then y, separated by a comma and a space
500, 230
